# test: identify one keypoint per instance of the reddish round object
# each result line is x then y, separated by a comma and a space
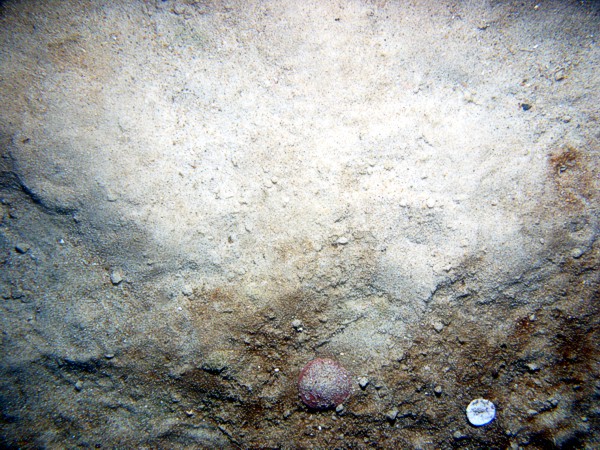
324, 384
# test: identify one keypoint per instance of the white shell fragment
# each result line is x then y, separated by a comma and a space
481, 412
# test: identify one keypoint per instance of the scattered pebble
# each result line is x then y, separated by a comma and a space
216, 362
577, 253
459, 435
398, 355
22, 247
481, 412
391, 414
363, 382
430, 203
532, 367
339, 409
116, 276
342, 240
438, 326
438, 390
187, 290
79, 385
109, 355
297, 325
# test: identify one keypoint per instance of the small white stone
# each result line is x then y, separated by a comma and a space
116, 276
481, 412
363, 382
438, 326
430, 203
297, 324
342, 240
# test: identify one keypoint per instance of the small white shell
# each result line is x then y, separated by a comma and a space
481, 412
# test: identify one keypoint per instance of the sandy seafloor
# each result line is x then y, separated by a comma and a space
199, 197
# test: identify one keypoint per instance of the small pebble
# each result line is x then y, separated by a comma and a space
438, 326
532, 367
116, 277
109, 355
297, 324
342, 240
458, 435
392, 414
438, 390
430, 203
481, 412
339, 409
187, 290
363, 382
22, 247
577, 253
79, 385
